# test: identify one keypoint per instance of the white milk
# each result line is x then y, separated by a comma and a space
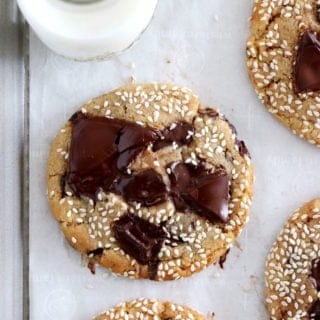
88, 29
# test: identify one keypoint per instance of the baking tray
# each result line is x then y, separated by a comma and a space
12, 79
199, 44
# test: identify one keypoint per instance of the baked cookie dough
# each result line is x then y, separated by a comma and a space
145, 309
283, 57
293, 267
149, 183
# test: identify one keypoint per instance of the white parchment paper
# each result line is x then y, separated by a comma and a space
200, 44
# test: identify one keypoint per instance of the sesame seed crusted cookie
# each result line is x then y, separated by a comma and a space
283, 59
293, 267
149, 183
145, 309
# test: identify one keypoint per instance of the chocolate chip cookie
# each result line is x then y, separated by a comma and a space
283, 57
293, 267
151, 309
148, 182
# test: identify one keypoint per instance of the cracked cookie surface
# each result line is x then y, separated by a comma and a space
151, 309
138, 229
285, 72
293, 267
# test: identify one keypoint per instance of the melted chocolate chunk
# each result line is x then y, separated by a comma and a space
96, 252
209, 112
307, 68
63, 185
314, 311
92, 155
223, 259
92, 266
153, 268
76, 117
140, 239
132, 140
100, 150
93, 256
231, 126
180, 132
146, 188
243, 150
197, 189
315, 273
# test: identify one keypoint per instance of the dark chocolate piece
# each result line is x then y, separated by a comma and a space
153, 269
209, 112
194, 187
140, 239
101, 149
63, 185
243, 150
95, 252
179, 132
132, 140
77, 116
314, 311
92, 155
315, 273
307, 68
231, 126
223, 259
93, 256
92, 266
146, 187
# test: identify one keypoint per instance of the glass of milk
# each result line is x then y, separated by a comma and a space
88, 29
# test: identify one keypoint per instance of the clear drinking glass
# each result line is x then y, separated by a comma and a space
88, 29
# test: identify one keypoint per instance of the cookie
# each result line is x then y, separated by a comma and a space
283, 58
145, 309
293, 267
149, 183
